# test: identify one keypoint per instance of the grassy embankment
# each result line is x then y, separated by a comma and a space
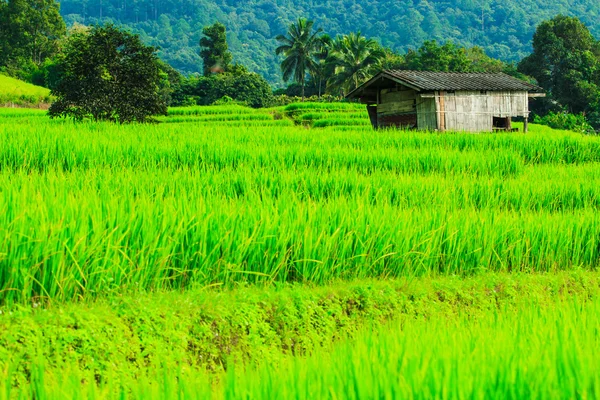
112, 232
16, 93
491, 336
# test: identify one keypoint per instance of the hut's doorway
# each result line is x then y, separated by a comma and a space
501, 124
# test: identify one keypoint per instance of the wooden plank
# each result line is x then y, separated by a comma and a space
398, 96
442, 112
398, 106
426, 114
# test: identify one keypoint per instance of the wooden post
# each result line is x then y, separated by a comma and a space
378, 100
525, 123
372, 110
442, 112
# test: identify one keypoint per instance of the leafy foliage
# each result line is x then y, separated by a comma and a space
299, 49
29, 34
566, 62
354, 59
502, 28
246, 87
107, 74
215, 52
566, 121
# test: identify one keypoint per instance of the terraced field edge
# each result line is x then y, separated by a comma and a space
128, 337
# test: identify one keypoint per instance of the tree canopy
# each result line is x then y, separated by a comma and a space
502, 28
29, 34
107, 74
354, 59
566, 62
215, 53
299, 48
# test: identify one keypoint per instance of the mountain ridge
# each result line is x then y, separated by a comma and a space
503, 28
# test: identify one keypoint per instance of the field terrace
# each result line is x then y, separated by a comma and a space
293, 252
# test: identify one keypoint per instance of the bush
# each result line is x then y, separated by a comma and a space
284, 99
243, 87
566, 121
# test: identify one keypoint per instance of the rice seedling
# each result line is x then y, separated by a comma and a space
482, 248
90, 208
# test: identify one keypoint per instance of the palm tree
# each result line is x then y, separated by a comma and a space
355, 59
299, 49
321, 70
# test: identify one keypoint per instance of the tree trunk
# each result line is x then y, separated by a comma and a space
303, 90
320, 84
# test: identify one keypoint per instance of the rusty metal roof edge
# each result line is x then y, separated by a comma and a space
381, 74
506, 82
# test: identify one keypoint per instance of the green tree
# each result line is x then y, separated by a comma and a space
107, 74
355, 59
433, 57
566, 62
391, 59
321, 70
246, 87
29, 32
299, 49
215, 52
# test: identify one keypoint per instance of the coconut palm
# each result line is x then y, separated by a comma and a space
321, 70
299, 48
355, 59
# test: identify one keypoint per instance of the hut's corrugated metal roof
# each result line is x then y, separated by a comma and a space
425, 80
429, 81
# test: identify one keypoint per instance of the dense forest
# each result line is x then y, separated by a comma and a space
503, 28
563, 57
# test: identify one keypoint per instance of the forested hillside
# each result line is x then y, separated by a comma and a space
502, 27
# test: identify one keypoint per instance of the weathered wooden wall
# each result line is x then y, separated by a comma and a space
397, 108
473, 111
426, 114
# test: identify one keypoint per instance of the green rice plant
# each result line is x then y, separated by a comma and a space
87, 209
215, 110
494, 336
16, 92
341, 121
294, 107
220, 118
536, 352
21, 112
312, 116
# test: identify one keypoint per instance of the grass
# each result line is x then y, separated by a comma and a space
227, 252
495, 336
541, 352
92, 208
16, 92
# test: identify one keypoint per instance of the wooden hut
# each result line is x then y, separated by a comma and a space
446, 101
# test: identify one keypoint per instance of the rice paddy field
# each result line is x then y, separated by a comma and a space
293, 252
14, 92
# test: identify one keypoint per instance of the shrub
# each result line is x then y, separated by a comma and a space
566, 121
243, 87
284, 99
